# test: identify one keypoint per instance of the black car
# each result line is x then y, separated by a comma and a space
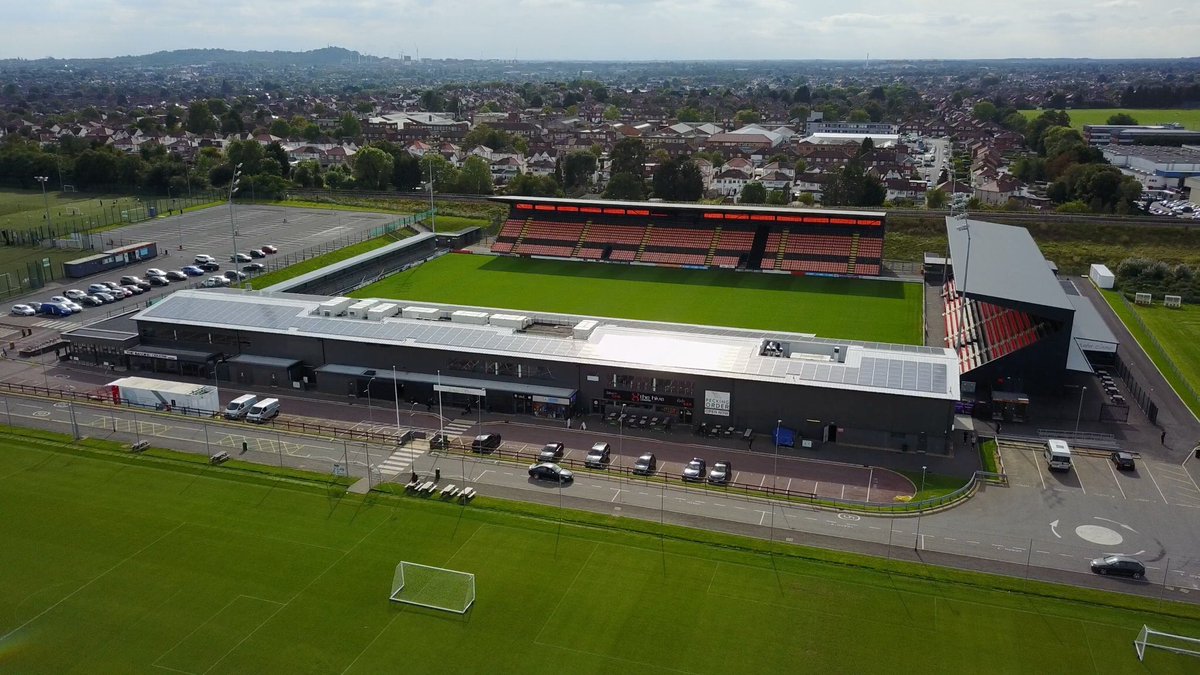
694, 471
234, 275
240, 258
551, 471
645, 465
439, 442
255, 253
158, 281
209, 266
721, 473
90, 301
176, 275
551, 452
1119, 565
485, 442
134, 281
254, 268
1123, 460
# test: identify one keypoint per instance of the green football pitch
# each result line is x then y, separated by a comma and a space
140, 564
852, 309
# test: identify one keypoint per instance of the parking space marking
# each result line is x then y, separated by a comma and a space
1116, 480
1156, 486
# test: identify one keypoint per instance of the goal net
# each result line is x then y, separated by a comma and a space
1179, 644
433, 587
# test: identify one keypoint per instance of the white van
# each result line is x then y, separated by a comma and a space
239, 406
1058, 455
263, 410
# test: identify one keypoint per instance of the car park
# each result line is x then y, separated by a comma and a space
234, 275
645, 465
551, 452
204, 258
254, 267
192, 271
215, 282
694, 471
255, 253
75, 294
1119, 566
1122, 460
485, 443
721, 473
158, 281
176, 275
269, 249
155, 272
69, 304
552, 472
240, 258
599, 456
23, 310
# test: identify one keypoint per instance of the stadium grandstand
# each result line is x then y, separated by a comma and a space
1013, 323
695, 235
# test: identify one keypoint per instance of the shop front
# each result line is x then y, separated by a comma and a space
679, 408
172, 360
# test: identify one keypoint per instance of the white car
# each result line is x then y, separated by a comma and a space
215, 282
155, 272
204, 258
23, 310
75, 294
69, 304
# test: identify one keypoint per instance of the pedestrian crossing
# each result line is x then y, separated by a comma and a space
400, 460
58, 325
456, 428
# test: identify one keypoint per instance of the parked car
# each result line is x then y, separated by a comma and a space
155, 272
130, 280
158, 281
113, 285
90, 301
551, 471
23, 310
439, 442
1120, 566
551, 452
694, 471
254, 268
215, 282
193, 271
204, 258
75, 294
645, 465
240, 258
54, 309
131, 289
269, 249
105, 296
721, 473
598, 457
486, 442
255, 253
101, 288
176, 275
210, 266
234, 275
69, 304
1122, 459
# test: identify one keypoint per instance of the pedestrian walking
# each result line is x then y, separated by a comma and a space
1163, 437
568, 422
998, 425
583, 425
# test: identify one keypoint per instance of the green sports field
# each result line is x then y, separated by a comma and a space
1190, 118
119, 563
1169, 339
852, 309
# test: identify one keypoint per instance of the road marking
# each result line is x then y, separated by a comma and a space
870, 479
1040, 473
1116, 480
762, 518
1080, 479
1156, 487
618, 494
843, 490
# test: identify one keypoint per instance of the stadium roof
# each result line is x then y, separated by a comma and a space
333, 268
604, 203
1001, 262
924, 372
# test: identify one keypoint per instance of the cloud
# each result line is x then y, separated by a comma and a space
606, 29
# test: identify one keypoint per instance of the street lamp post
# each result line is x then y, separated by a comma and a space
396, 393
233, 186
774, 476
370, 411
1079, 413
45, 199
965, 227
920, 509
432, 217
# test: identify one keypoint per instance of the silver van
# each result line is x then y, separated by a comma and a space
239, 406
263, 410
1057, 454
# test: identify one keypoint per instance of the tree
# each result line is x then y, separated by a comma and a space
612, 113
496, 139
625, 186
406, 171
349, 126
744, 117
231, 123
246, 153
307, 174
779, 197
753, 193
577, 169
859, 115
1121, 118
527, 185
628, 156
95, 168
984, 111
600, 94
445, 176
1015, 121
678, 180
275, 151
475, 177
281, 128
200, 119
372, 169
936, 199
850, 185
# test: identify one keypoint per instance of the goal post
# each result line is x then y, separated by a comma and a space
1179, 644
433, 587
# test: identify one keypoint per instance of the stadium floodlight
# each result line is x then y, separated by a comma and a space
433, 587
1179, 644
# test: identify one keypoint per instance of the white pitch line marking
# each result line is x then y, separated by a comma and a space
1156, 487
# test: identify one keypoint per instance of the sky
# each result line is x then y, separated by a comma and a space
612, 29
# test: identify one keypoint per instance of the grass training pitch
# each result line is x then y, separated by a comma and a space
852, 309
1168, 338
141, 563
1190, 119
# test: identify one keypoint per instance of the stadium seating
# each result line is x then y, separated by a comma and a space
982, 332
